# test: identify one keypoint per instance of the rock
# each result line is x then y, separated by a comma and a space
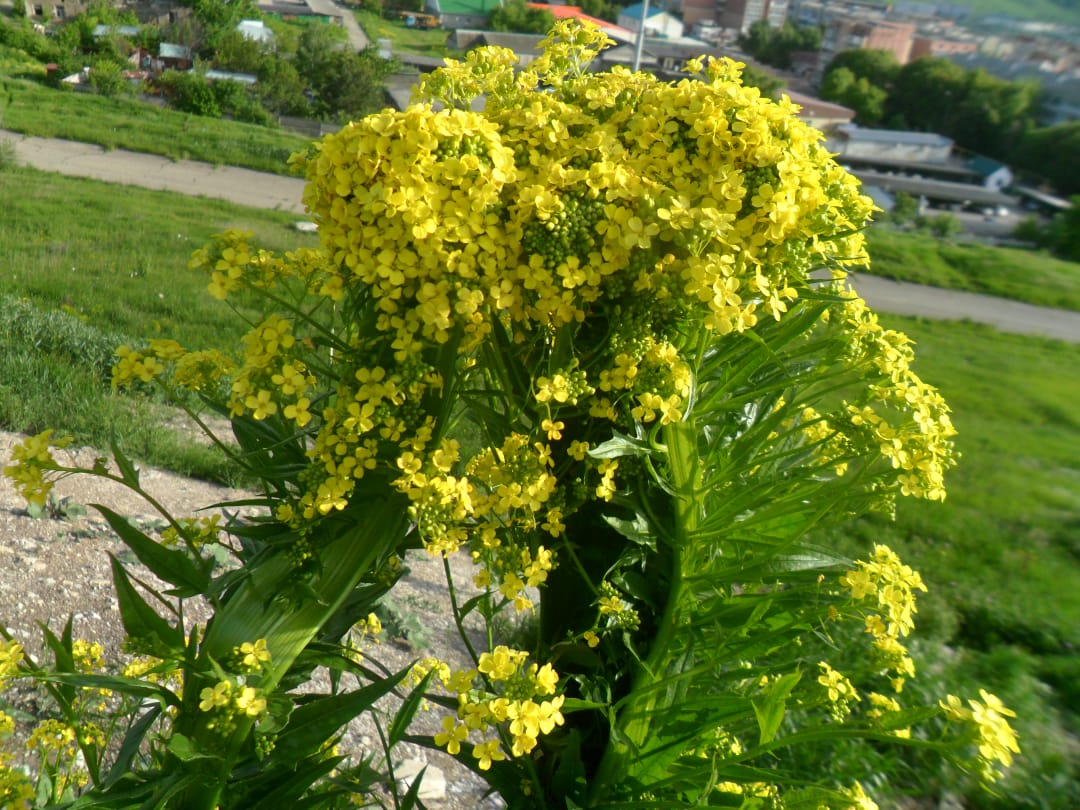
433, 786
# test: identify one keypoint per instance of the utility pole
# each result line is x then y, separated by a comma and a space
640, 36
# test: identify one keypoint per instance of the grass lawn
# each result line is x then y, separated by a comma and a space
403, 38
1021, 275
87, 266
124, 123
1001, 556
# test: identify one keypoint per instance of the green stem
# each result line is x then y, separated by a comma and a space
636, 710
457, 613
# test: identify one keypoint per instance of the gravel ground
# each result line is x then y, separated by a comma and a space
56, 566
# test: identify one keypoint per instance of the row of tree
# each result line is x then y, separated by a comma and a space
306, 72
981, 112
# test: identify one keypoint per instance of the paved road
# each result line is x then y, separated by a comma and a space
261, 190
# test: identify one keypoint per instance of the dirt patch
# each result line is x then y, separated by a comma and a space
58, 565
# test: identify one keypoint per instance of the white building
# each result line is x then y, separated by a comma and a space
657, 23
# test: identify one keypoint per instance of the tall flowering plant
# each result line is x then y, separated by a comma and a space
595, 337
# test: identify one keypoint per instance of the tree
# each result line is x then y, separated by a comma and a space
190, 92
601, 9
776, 46
107, 78
280, 88
768, 84
239, 53
905, 209
1053, 153
1064, 232
516, 15
866, 99
994, 114
917, 83
349, 85
877, 67
943, 226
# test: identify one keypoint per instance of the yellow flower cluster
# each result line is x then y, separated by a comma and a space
891, 585
907, 419
513, 696
994, 737
15, 790
839, 690
31, 460
231, 697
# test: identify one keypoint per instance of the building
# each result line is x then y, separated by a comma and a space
883, 35
658, 23
933, 46
700, 15
897, 145
256, 30
739, 15
454, 14
818, 113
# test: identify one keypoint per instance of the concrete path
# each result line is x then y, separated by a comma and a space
357, 38
262, 190
241, 186
901, 298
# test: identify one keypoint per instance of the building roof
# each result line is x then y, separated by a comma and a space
256, 30
933, 189
984, 166
575, 13
635, 11
225, 75
121, 30
466, 7
818, 107
167, 50
856, 133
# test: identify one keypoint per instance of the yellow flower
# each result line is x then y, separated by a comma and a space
488, 752
452, 735
250, 703
253, 655
213, 697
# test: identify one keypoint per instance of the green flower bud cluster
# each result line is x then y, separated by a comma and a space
570, 231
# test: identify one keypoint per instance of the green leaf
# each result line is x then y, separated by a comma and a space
141, 622
131, 745
127, 686
186, 751
172, 565
412, 798
637, 530
315, 722
619, 446
769, 709
403, 717
127, 469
